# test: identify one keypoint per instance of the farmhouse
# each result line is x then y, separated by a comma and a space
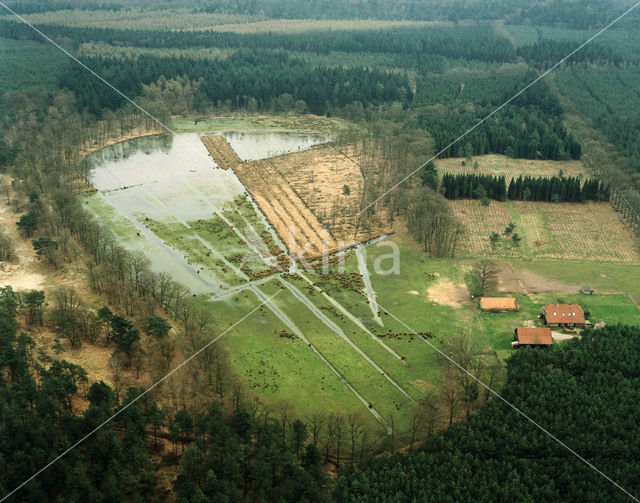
535, 337
563, 315
498, 304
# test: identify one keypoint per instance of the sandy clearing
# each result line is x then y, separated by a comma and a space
447, 293
19, 279
422, 385
20, 273
525, 281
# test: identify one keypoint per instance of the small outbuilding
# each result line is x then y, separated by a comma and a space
563, 315
499, 304
535, 337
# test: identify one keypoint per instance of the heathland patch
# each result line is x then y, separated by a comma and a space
501, 165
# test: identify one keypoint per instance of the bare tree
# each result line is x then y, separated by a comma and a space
339, 426
116, 365
355, 424
284, 410
237, 391
430, 410
470, 357
415, 423
450, 393
432, 223
316, 421
486, 275
137, 358
392, 431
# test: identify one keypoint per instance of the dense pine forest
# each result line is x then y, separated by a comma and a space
497, 455
556, 189
406, 91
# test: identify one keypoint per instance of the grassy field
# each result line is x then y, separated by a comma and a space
602, 277
279, 368
590, 231
501, 165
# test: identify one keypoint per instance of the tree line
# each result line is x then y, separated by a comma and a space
557, 189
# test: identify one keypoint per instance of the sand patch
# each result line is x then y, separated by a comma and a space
421, 385
21, 280
447, 293
525, 281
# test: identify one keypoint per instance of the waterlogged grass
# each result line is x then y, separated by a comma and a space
196, 253
108, 216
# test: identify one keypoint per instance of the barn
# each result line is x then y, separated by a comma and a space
499, 304
535, 337
563, 315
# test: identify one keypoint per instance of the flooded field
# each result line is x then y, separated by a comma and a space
164, 195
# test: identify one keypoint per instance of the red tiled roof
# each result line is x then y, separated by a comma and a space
534, 336
563, 313
498, 303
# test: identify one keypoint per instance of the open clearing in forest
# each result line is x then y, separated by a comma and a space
197, 224
501, 165
570, 231
317, 344
272, 123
